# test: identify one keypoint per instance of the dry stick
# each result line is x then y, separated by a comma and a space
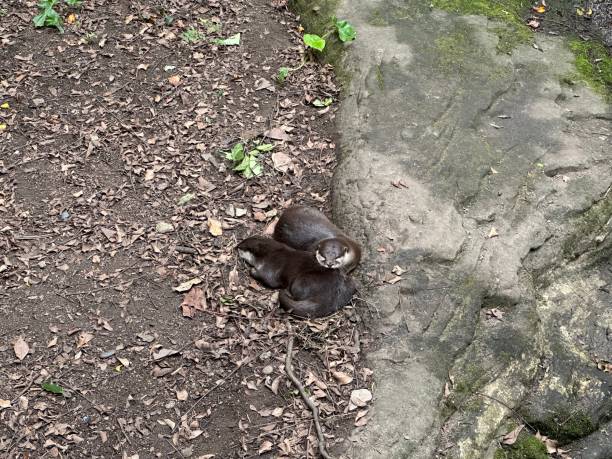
514, 412
315, 412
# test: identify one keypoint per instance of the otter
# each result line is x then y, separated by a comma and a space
305, 228
307, 288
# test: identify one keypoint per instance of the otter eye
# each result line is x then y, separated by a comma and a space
345, 250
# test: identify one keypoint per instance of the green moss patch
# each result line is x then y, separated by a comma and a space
526, 447
588, 226
514, 31
565, 425
594, 65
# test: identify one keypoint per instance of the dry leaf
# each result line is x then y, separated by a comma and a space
265, 446
162, 353
193, 301
83, 338
360, 418
214, 227
4, 403
281, 161
494, 313
510, 438
360, 398
277, 134
21, 348
182, 395
174, 80
185, 286
493, 233
342, 377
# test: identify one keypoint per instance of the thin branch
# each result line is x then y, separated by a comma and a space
315, 412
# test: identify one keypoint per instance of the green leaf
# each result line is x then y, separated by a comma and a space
53, 388
234, 40
282, 74
265, 147
39, 20
314, 41
73, 2
256, 168
346, 32
47, 4
237, 153
322, 103
243, 165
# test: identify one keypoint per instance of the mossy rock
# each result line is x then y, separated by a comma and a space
587, 227
509, 12
593, 64
565, 425
526, 447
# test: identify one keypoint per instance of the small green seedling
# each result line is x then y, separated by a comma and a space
322, 103
192, 35
73, 3
47, 16
247, 162
282, 74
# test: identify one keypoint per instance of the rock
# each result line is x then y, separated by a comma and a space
475, 136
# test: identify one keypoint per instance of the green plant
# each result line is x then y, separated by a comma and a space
47, 16
2, 12
192, 35
322, 103
247, 162
73, 3
346, 32
282, 74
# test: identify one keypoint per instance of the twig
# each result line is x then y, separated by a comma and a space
123, 431
315, 412
174, 447
514, 412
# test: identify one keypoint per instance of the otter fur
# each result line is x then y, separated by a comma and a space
307, 288
305, 228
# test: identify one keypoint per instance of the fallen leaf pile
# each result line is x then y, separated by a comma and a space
129, 327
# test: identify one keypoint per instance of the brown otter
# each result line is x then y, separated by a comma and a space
305, 228
308, 289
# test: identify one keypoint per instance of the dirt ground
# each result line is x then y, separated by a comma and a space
114, 190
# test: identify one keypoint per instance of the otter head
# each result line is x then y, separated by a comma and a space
332, 253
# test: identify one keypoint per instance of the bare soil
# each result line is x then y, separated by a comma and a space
111, 128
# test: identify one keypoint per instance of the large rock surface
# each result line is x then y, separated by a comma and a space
489, 182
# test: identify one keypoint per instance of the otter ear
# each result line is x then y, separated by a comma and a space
345, 250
